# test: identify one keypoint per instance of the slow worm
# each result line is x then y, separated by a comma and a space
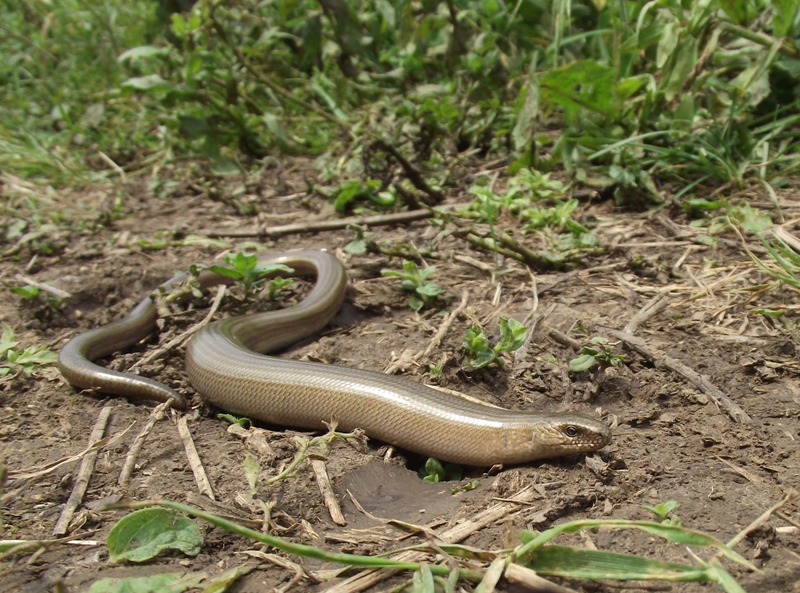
225, 364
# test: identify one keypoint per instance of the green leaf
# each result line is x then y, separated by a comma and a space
492, 576
584, 84
484, 358
135, 54
221, 165
223, 582
150, 82
434, 470
356, 247
387, 12
429, 289
422, 581
28, 292
243, 262
582, 563
768, 313
7, 340
513, 335
685, 60
266, 269
228, 272
784, 17
251, 470
243, 421
416, 304
144, 534
170, 582
527, 112
37, 355
583, 363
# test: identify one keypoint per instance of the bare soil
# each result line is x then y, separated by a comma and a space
671, 441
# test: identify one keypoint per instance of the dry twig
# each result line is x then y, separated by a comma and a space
56, 292
325, 488
177, 341
368, 578
200, 477
138, 443
316, 226
84, 474
702, 382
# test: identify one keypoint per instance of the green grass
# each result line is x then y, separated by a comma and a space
636, 94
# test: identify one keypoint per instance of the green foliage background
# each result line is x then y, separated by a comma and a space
612, 92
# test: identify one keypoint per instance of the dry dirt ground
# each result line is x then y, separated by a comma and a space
671, 440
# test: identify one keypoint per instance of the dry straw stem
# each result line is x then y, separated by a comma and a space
84, 474
316, 226
444, 327
702, 382
13, 547
177, 341
200, 477
138, 443
325, 488
528, 578
300, 572
56, 292
30, 474
455, 534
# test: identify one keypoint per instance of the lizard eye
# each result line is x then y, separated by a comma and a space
571, 431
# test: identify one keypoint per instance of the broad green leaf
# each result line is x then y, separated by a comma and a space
135, 54
429, 289
7, 340
387, 12
492, 576
416, 304
597, 564
171, 582
251, 470
513, 335
144, 534
484, 358
228, 272
422, 581
583, 363
223, 582
684, 62
434, 470
222, 165
243, 262
150, 82
356, 247
784, 17
584, 84
666, 44
527, 112
28, 292
265, 269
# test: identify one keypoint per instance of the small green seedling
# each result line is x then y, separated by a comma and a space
26, 359
480, 353
416, 280
357, 246
590, 356
663, 510
469, 486
247, 272
778, 315
31, 293
242, 421
436, 471
355, 190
